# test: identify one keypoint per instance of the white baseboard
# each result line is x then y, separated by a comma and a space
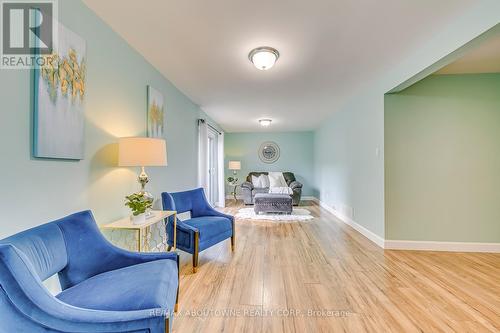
356, 226
442, 246
412, 245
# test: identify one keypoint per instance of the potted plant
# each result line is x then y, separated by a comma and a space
139, 204
231, 180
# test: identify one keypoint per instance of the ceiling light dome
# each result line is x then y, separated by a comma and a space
263, 57
265, 122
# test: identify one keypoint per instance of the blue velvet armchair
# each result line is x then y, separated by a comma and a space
206, 226
104, 288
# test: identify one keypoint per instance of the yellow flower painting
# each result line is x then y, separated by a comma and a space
156, 113
60, 87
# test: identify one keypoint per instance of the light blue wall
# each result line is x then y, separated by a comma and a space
348, 171
349, 162
36, 191
296, 155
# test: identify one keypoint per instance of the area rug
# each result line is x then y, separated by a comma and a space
298, 214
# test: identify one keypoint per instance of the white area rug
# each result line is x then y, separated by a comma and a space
298, 214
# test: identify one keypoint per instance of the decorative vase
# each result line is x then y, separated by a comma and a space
138, 219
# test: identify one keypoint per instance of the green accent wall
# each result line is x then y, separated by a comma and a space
296, 155
35, 191
442, 160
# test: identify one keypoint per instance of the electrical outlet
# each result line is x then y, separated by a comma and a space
347, 211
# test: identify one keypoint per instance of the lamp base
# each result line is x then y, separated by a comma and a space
143, 179
148, 196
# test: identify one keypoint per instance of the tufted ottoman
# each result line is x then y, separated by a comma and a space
272, 203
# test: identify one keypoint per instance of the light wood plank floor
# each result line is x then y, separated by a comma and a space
322, 276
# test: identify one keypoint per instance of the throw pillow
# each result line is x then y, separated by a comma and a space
264, 181
276, 179
256, 182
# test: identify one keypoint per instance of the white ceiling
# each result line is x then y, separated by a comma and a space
485, 58
328, 49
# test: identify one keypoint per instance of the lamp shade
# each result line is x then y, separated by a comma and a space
234, 165
142, 152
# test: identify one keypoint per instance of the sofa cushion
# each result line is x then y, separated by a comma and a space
210, 226
260, 190
256, 181
264, 179
281, 190
144, 286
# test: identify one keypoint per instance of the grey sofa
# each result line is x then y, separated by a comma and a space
248, 191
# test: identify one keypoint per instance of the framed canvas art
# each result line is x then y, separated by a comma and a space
156, 113
59, 99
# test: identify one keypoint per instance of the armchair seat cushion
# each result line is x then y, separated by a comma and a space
210, 226
144, 286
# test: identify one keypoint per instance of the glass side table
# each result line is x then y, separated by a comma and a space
144, 234
235, 186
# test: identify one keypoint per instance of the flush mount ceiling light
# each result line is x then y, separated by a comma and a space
263, 57
265, 122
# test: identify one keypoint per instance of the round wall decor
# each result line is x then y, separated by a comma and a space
269, 152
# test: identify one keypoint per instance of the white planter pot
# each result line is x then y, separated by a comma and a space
139, 219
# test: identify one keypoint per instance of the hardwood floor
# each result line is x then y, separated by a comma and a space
322, 276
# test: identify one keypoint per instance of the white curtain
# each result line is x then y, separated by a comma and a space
203, 155
220, 166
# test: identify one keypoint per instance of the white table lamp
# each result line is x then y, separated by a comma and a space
142, 152
234, 165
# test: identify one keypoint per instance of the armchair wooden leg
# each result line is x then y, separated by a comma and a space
167, 325
196, 250
176, 308
233, 238
169, 247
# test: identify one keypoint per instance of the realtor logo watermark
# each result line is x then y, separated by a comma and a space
28, 33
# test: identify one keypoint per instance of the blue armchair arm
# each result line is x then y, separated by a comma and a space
22, 295
210, 211
201, 207
140, 257
182, 228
